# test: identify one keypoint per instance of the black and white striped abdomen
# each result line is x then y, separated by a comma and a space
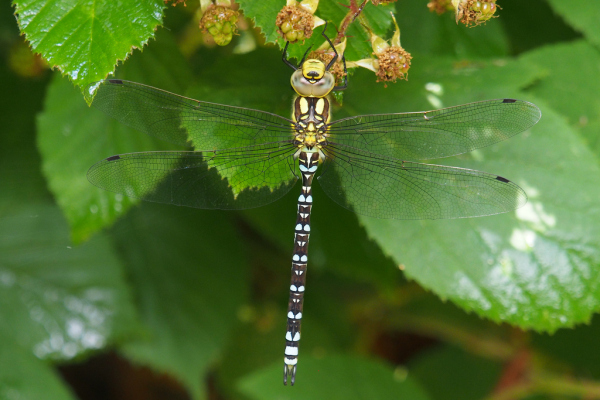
308, 162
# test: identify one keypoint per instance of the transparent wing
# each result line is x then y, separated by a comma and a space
185, 121
256, 176
383, 187
436, 134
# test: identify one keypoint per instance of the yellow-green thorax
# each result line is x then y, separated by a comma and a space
311, 115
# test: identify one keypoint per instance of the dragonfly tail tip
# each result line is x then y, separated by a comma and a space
289, 371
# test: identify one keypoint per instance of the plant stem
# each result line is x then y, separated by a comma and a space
354, 12
550, 385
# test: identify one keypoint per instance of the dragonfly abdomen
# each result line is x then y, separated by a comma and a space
308, 162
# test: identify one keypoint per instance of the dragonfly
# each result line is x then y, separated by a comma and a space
244, 158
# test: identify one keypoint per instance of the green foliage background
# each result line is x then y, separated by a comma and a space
497, 307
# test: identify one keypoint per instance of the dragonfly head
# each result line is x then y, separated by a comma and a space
312, 79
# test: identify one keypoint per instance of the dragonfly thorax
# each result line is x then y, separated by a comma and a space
311, 115
312, 80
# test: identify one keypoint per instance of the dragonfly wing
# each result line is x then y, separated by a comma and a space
186, 121
436, 134
383, 187
255, 176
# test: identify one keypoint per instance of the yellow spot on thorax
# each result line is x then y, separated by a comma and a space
303, 105
320, 106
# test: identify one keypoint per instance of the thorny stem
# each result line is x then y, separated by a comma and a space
485, 345
524, 375
481, 342
354, 12
555, 385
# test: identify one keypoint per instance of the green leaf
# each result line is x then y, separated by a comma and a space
581, 107
20, 179
255, 345
86, 39
258, 343
24, 377
69, 134
264, 13
72, 137
358, 46
581, 15
337, 242
227, 82
437, 82
425, 32
58, 301
523, 35
449, 373
334, 377
534, 268
189, 276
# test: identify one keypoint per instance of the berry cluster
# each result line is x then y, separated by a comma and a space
295, 23
220, 22
475, 12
